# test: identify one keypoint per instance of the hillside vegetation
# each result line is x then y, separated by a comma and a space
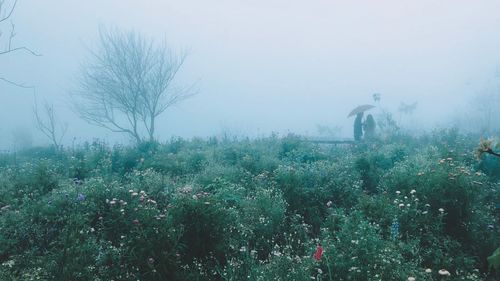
403, 208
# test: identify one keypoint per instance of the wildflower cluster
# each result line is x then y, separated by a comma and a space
267, 209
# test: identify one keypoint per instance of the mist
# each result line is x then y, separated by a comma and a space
263, 67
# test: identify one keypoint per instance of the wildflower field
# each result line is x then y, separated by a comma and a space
277, 208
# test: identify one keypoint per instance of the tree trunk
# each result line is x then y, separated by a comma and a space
152, 129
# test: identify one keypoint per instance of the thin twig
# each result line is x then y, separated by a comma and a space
10, 13
21, 48
16, 84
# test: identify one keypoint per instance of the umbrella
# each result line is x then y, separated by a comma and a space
361, 108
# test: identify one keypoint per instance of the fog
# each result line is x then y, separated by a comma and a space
264, 66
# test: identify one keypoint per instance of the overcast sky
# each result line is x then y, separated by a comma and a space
265, 65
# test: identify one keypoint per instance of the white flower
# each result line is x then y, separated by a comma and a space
398, 192
401, 205
428, 270
413, 191
444, 272
411, 278
441, 210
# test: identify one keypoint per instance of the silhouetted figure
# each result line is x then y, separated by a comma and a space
369, 127
358, 127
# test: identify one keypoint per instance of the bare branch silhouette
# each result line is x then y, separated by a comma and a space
4, 16
128, 82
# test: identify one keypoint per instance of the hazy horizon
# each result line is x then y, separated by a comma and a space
266, 66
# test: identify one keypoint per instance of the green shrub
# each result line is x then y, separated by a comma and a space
250, 210
207, 228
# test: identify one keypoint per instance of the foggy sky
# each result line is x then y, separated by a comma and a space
264, 66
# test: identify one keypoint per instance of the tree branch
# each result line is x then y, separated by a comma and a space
9, 45
10, 12
490, 151
18, 49
9, 49
48, 125
16, 84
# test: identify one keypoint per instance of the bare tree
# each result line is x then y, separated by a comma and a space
127, 84
7, 47
49, 125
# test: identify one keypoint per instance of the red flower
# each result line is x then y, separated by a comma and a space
319, 252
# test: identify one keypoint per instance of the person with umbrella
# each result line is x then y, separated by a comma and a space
358, 127
369, 127
358, 122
